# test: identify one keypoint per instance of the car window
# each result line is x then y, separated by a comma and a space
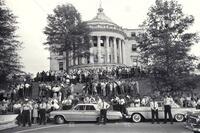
79, 107
90, 107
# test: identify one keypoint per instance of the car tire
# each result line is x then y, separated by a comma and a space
136, 118
179, 117
59, 119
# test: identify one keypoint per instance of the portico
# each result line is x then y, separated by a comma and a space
106, 49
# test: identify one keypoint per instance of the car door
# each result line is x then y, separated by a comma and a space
78, 113
160, 110
90, 113
147, 112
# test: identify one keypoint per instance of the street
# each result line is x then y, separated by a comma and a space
121, 127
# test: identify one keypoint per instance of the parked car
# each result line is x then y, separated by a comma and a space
82, 112
137, 114
193, 121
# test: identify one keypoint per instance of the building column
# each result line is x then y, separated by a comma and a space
120, 51
115, 50
107, 49
91, 52
99, 48
122, 44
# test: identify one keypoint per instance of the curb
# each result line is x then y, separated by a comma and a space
7, 126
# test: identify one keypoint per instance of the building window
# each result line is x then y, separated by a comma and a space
102, 42
110, 58
117, 44
95, 58
134, 47
60, 66
118, 59
110, 42
88, 59
133, 34
94, 39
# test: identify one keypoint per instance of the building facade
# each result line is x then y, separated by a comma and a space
111, 46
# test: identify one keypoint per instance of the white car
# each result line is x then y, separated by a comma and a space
137, 114
82, 112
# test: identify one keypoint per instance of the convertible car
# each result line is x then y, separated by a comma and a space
193, 121
137, 114
82, 112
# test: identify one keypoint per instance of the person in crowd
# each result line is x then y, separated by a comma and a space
42, 112
168, 101
122, 105
17, 108
144, 100
54, 106
181, 101
26, 89
92, 99
103, 105
64, 101
137, 101
198, 103
4, 107
193, 103
154, 110
86, 99
35, 112
115, 103
26, 113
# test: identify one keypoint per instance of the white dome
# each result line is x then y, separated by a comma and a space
101, 18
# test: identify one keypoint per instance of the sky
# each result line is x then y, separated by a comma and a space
32, 19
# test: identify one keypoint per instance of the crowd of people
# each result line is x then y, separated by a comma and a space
86, 75
58, 91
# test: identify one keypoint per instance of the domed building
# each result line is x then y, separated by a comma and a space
112, 46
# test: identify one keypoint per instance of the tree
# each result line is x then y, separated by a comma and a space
165, 44
198, 66
66, 32
9, 45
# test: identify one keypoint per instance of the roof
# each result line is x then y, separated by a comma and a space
101, 18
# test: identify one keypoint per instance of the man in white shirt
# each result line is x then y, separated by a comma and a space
42, 111
154, 110
26, 113
122, 105
168, 101
103, 105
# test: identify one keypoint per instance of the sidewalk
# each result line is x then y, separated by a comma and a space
7, 126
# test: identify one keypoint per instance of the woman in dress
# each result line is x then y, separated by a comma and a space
35, 112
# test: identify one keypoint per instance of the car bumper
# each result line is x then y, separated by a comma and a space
127, 116
51, 117
192, 127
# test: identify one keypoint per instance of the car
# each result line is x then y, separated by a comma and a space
82, 112
193, 121
137, 114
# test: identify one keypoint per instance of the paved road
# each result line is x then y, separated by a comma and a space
123, 127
